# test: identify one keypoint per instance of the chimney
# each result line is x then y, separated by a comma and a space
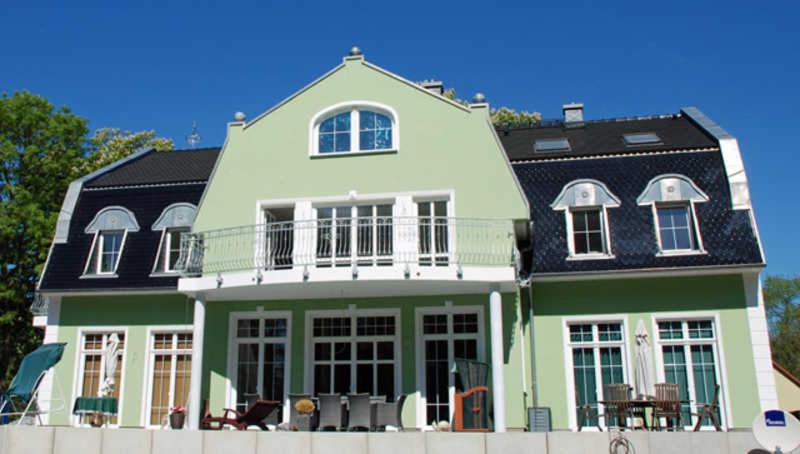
435, 86
573, 114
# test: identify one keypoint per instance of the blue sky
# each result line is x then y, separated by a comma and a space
163, 65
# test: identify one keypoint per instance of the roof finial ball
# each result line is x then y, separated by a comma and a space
354, 51
239, 116
479, 98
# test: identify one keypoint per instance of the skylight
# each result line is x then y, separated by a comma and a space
559, 144
641, 138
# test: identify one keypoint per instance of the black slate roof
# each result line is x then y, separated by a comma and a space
727, 235
178, 166
604, 137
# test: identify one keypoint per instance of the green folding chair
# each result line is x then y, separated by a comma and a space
20, 399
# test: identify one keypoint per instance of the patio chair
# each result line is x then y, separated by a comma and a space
617, 404
330, 411
390, 413
471, 401
20, 399
585, 413
667, 404
254, 416
360, 412
294, 416
710, 411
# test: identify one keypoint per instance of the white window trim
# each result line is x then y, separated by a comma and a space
96, 251
352, 107
569, 366
699, 249
448, 309
79, 370
719, 357
163, 260
353, 313
605, 228
147, 390
233, 353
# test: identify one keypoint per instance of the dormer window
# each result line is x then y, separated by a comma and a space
354, 128
672, 198
585, 204
110, 228
174, 221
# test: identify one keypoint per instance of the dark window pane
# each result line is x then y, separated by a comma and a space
364, 378
341, 379
385, 350
364, 350
579, 221
322, 378
322, 351
341, 351
596, 242
593, 219
386, 381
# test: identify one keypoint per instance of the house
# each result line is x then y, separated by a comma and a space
788, 387
366, 231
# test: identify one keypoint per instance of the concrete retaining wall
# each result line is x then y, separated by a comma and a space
64, 440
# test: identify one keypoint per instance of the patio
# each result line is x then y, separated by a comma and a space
63, 440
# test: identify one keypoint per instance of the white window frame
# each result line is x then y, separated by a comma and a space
80, 360
353, 258
353, 107
233, 352
595, 345
151, 353
451, 228
161, 265
449, 310
96, 251
605, 231
696, 239
353, 339
719, 359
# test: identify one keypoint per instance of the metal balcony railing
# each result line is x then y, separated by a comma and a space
355, 241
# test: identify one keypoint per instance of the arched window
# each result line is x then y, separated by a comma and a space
354, 127
110, 228
672, 198
585, 203
174, 221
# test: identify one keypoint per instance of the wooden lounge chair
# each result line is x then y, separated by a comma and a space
710, 411
254, 416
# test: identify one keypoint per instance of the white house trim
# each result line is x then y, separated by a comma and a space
759, 338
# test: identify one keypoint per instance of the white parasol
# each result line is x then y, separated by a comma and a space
644, 362
110, 358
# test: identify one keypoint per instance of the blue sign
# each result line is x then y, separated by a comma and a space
775, 418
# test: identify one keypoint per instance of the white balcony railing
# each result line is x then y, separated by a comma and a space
368, 241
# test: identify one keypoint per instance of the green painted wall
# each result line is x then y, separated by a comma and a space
135, 313
640, 299
269, 158
215, 361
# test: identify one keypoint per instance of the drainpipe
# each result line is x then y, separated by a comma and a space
196, 380
498, 378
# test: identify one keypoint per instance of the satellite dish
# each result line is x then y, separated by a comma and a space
777, 429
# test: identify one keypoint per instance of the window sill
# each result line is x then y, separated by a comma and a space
683, 253
99, 276
577, 258
341, 154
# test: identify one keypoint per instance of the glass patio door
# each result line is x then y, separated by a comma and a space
260, 359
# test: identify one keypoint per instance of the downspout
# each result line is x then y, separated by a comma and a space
525, 283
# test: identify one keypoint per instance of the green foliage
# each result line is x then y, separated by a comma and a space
42, 149
782, 301
503, 117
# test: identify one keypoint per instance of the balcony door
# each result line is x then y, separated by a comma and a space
279, 238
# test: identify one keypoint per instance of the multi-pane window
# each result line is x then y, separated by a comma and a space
361, 130
93, 365
675, 227
170, 250
446, 337
355, 354
369, 243
598, 360
689, 357
434, 237
588, 231
106, 251
171, 366
260, 349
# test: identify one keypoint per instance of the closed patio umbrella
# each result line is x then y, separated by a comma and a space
110, 357
644, 377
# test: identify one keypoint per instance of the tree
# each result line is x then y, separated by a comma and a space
112, 144
502, 117
782, 301
41, 151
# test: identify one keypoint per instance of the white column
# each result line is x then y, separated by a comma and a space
759, 338
498, 382
195, 404
48, 396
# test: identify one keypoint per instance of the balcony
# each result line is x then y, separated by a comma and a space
388, 247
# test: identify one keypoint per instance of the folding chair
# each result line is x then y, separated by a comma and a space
24, 390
